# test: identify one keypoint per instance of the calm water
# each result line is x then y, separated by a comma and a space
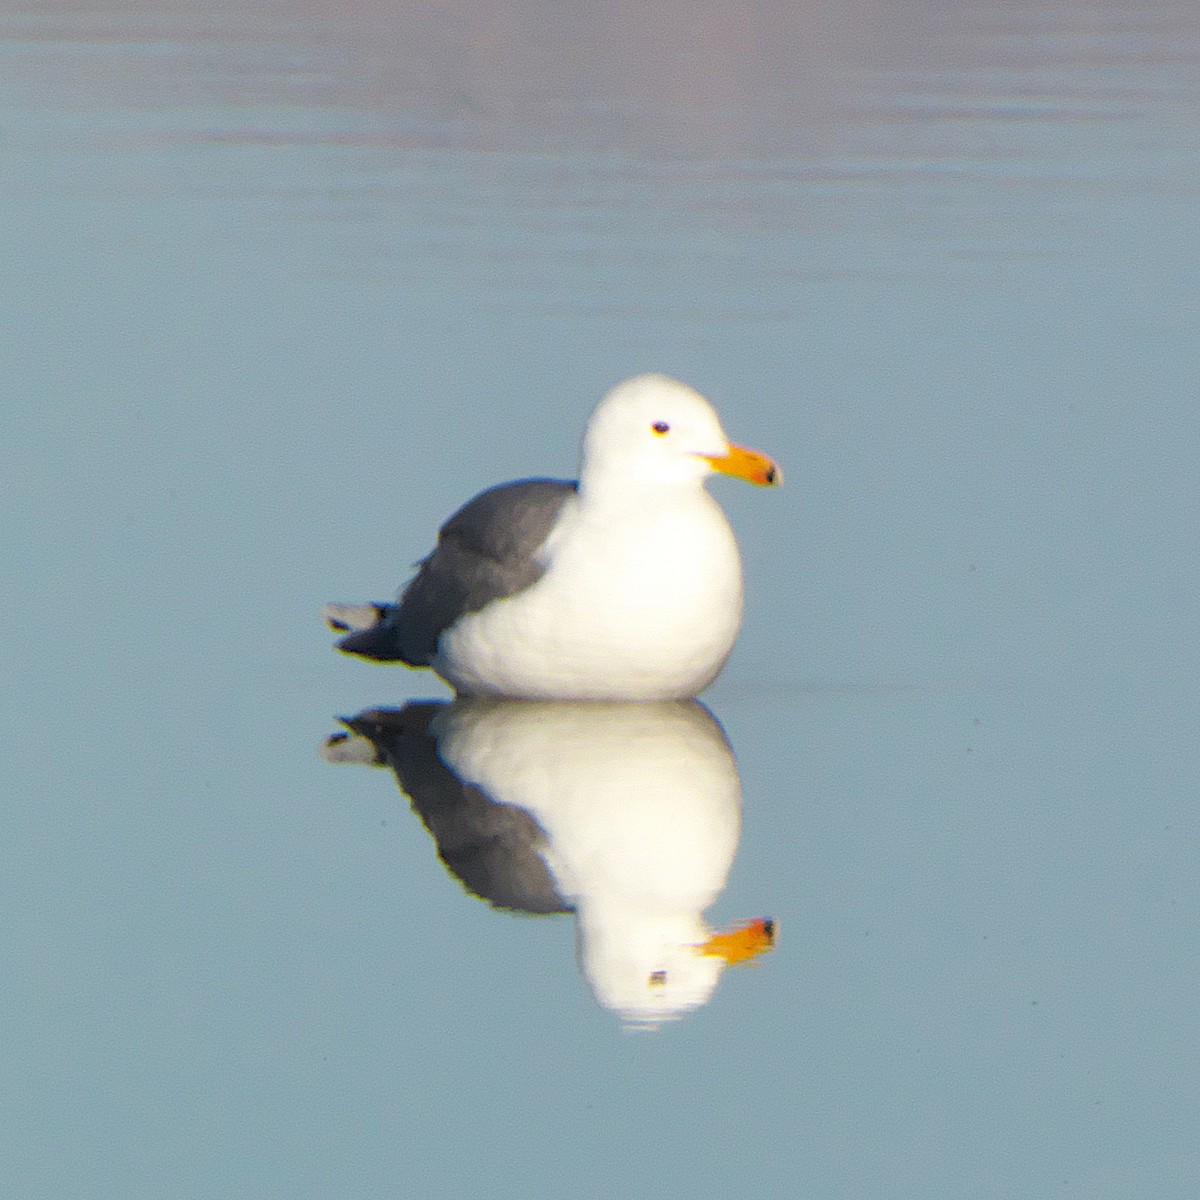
283, 285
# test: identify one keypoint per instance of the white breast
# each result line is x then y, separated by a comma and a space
638, 602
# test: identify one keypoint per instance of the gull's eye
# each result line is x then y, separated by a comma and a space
661, 427
658, 978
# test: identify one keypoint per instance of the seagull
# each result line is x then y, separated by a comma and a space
623, 585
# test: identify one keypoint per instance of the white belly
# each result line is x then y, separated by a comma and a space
641, 608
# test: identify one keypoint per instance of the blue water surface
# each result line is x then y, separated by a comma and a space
283, 285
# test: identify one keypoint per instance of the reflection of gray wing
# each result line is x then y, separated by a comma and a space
486, 551
492, 848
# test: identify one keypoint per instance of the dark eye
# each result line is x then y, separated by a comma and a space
661, 427
658, 978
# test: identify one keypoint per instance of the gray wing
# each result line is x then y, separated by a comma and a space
486, 551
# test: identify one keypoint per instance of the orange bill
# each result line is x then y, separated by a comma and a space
742, 942
747, 464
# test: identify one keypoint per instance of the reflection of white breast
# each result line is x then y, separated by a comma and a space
650, 600
640, 804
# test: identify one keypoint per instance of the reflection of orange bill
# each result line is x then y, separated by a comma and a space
742, 942
747, 464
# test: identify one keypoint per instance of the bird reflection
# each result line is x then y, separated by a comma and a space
626, 814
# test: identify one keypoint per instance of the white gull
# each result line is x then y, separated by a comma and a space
626, 585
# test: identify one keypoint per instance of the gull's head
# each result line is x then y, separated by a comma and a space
653, 430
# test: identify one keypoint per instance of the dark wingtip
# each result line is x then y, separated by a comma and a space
378, 643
